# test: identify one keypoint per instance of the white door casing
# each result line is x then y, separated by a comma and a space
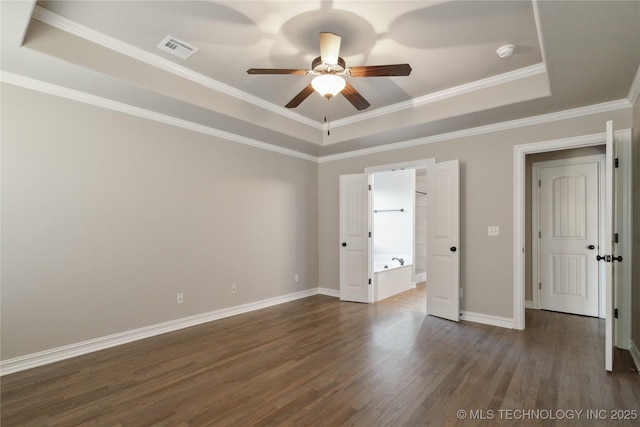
568, 236
623, 275
443, 240
354, 238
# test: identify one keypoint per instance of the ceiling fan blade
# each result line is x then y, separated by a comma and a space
304, 93
380, 70
330, 48
290, 71
354, 97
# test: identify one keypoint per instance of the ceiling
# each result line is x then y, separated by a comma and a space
568, 55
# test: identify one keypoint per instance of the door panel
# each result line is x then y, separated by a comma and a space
569, 218
443, 236
607, 247
354, 238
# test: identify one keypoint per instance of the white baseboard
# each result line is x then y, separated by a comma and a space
29, 361
487, 319
635, 354
329, 292
528, 304
420, 277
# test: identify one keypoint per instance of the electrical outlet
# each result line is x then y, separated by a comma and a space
180, 298
296, 278
494, 230
233, 289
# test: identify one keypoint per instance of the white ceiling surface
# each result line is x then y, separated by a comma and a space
568, 55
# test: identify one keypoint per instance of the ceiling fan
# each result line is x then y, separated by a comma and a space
329, 68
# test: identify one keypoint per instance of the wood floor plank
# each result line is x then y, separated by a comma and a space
319, 361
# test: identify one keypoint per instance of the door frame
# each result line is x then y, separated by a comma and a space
535, 218
372, 170
623, 138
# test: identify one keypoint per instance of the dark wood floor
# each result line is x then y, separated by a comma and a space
318, 361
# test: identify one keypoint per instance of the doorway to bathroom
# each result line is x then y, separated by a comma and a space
364, 247
393, 232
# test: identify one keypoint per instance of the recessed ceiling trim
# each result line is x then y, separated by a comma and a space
63, 92
634, 90
522, 73
57, 21
109, 104
604, 107
536, 18
53, 19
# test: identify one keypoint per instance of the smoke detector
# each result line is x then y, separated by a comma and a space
505, 51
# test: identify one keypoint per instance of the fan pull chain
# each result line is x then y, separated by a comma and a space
326, 116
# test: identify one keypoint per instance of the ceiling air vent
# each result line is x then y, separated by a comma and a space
177, 47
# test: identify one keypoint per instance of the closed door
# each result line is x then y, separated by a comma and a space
568, 237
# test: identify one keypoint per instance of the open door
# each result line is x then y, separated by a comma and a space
606, 250
443, 240
354, 238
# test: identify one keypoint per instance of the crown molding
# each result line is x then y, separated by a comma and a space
53, 19
51, 89
480, 130
86, 98
530, 71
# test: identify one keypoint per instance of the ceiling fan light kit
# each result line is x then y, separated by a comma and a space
329, 69
328, 85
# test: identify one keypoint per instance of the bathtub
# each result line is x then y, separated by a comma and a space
389, 277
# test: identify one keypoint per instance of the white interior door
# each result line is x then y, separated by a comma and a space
606, 249
354, 238
568, 237
443, 240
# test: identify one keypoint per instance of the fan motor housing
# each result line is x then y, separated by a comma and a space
321, 68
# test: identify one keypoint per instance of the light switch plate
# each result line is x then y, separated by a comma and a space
494, 230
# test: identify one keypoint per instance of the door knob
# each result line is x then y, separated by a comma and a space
600, 258
591, 247
616, 258
453, 249
344, 243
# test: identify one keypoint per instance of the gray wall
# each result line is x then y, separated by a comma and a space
486, 199
105, 217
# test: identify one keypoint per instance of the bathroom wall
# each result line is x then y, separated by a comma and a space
393, 231
420, 254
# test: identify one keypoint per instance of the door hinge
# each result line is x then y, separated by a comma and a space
615, 238
539, 234
369, 187
369, 281
539, 286
615, 313
616, 163
539, 183
369, 234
